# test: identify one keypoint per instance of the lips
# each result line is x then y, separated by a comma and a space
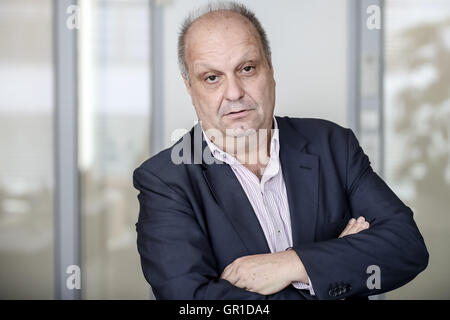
236, 112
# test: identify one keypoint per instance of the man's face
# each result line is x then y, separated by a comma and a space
231, 82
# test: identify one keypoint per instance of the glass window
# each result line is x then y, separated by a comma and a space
114, 84
417, 130
26, 146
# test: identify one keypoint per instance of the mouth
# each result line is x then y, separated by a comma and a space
238, 114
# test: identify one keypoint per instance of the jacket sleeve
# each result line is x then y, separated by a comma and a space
176, 257
342, 267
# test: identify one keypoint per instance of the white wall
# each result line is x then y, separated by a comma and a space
309, 45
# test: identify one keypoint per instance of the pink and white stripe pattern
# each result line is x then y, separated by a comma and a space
268, 197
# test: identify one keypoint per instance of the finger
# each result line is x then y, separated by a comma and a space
362, 224
226, 273
347, 227
231, 278
240, 283
354, 227
359, 225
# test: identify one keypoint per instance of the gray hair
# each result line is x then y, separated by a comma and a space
214, 7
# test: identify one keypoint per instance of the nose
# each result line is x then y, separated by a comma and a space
234, 90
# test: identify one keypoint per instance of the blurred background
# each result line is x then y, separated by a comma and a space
89, 89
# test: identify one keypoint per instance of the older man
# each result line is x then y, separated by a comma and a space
281, 211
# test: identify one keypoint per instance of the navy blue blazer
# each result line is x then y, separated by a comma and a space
195, 219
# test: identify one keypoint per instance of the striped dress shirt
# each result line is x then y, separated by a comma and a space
268, 197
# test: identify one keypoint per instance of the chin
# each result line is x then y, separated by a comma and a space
242, 129
244, 126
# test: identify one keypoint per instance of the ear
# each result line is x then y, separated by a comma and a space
186, 83
272, 72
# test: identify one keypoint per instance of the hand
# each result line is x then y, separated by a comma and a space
272, 272
266, 273
355, 226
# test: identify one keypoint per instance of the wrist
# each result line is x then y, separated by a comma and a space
297, 270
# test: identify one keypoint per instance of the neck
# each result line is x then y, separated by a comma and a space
252, 149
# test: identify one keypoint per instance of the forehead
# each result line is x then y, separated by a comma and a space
220, 34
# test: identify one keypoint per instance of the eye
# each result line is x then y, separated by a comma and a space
248, 69
211, 79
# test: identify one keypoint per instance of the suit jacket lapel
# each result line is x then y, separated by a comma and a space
235, 204
301, 176
231, 197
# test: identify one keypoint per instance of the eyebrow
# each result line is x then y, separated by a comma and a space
249, 56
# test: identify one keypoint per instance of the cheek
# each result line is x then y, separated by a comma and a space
262, 92
207, 102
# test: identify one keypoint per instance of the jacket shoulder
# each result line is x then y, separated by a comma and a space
157, 162
308, 124
162, 164
315, 129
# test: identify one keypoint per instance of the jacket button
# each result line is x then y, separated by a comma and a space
332, 292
